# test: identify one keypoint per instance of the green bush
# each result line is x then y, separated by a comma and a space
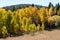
57, 22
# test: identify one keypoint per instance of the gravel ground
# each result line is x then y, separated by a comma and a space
46, 35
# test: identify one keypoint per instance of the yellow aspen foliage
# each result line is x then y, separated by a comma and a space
28, 12
42, 18
50, 11
2, 10
33, 9
16, 28
21, 13
53, 18
28, 22
42, 10
3, 13
23, 21
32, 27
4, 30
42, 27
47, 12
42, 13
38, 27
58, 12
12, 20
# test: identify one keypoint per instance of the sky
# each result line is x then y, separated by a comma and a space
37, 2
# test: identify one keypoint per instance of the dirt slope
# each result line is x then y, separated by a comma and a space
47, 35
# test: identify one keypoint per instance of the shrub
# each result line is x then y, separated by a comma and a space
57, 23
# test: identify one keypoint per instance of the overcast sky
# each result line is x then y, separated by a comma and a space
39, 2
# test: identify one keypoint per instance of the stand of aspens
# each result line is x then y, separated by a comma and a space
25, 20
